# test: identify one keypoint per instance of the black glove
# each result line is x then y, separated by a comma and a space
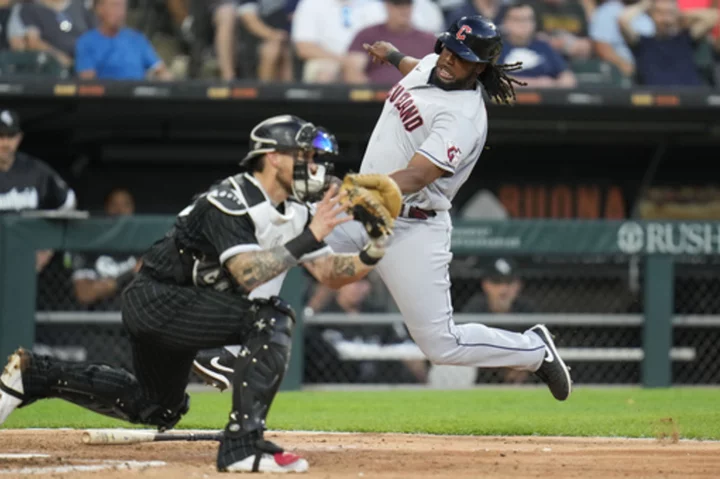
210, 274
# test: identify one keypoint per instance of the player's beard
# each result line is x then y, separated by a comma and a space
286, 185
467, 83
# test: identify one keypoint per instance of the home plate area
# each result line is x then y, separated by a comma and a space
62, 453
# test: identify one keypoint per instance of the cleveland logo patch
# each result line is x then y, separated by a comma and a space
460, 35
453, 152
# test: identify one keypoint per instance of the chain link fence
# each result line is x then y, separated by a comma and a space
593, 305
697, 320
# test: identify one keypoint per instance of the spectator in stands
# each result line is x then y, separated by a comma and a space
54, 26
321, 33
16, 29
501, 287
224, 16
268, 21
114, 52
487, 8
687, 5
667, 58
179, 11
500, 295
426, 15
98, 279
323, 361
610, 45
708, 54
5, 11
397, 30
350, 298
320, 354
27, 183
543, 67
564, 25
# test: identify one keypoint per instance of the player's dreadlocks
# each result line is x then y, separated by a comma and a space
497, 82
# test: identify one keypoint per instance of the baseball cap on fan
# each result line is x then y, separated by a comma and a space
9, 123
501, 270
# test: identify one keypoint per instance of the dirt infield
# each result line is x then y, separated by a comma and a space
63, 455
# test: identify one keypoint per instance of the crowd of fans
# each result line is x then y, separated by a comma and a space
561, 43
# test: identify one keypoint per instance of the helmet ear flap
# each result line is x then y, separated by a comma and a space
438, 46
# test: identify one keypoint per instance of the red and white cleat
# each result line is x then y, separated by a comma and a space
276, 463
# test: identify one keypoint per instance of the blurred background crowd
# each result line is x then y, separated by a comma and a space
562, 43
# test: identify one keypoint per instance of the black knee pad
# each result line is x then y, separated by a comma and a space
273, 312
260, 367
162, 417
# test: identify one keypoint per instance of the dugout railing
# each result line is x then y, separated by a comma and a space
656, 246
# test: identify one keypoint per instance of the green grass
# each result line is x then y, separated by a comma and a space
630, 412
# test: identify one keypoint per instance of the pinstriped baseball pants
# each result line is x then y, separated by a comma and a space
169, 324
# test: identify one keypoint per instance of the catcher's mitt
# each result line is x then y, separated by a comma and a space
374, 200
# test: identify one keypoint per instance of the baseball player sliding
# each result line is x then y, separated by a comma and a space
429, 136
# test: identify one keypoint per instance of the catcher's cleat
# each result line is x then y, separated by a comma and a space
215, 367
250, 454
553, 370
12, 392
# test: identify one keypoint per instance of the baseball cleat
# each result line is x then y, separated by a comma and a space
215, 367
252, 453
12, 392
553, 370
272, 463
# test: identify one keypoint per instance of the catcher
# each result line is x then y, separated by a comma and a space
213, 280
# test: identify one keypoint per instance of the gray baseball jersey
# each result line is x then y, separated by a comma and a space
449, 128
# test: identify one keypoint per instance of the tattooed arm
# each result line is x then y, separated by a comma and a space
253, 268
337, 270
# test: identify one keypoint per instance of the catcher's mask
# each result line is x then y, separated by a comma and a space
300, 139
308, 185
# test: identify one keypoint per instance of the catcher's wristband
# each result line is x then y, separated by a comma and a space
371, 254
395, 57
368, 260
303, 244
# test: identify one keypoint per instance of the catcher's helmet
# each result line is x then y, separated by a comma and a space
288, 133
474, 39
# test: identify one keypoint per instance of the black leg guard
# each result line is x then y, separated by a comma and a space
259, 370
109, 391
260, 367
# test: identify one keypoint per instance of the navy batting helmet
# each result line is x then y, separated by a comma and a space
474, 39
289, 133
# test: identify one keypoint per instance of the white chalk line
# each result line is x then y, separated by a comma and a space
23, 456
105, 465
